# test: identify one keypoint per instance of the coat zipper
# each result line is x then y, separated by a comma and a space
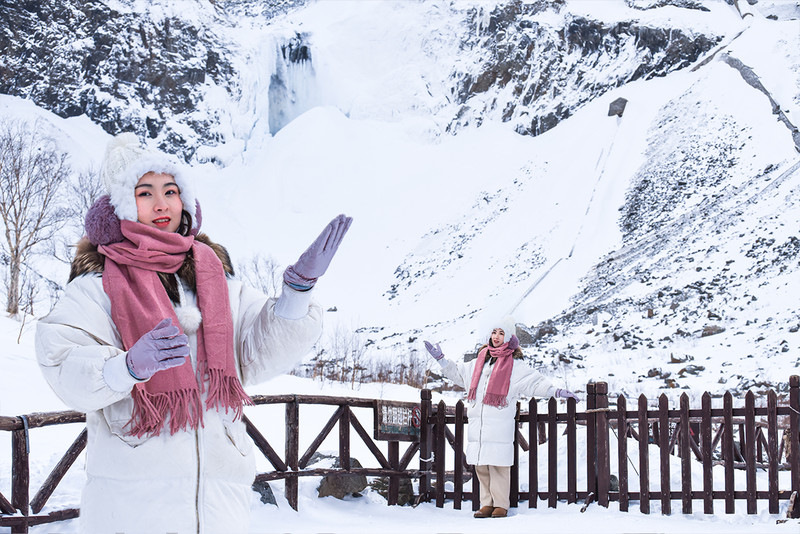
483, 407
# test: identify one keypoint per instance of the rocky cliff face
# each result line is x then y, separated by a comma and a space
536, 74
126, 70
154, 71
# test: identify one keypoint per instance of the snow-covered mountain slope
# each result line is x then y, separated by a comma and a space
616, 241
586, 222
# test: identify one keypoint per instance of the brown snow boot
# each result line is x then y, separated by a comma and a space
485, 511
499, 512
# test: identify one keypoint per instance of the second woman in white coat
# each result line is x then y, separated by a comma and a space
494, 381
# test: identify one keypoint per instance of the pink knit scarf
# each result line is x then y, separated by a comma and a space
499, 379
139, 301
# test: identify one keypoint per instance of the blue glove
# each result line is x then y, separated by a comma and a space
161, 348
435, 351
566, 394
315, 260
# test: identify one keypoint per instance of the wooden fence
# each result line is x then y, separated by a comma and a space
22, 512
742, 438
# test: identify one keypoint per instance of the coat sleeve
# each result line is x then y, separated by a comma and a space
460, 373
78, 348
273, 335
531, 383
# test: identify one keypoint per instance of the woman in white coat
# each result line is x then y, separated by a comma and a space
494, 381
154, 339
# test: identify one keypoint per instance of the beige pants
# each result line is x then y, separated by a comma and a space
495, 482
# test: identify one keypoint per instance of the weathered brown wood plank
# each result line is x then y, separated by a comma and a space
58, 472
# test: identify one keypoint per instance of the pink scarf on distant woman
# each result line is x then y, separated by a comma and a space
139, 301
499, 379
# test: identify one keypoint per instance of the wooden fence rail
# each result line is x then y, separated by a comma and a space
702, 438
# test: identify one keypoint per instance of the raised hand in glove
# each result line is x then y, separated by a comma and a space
161, 348
434, 350
315, 260
566, 394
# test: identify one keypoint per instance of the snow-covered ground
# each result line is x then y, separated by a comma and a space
364, 514
369, 513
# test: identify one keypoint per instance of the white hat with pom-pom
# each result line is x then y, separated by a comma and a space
126, 161
507, 323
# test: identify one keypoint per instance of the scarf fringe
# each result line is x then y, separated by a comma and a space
149, 411
184, 406
495, 399
226, 392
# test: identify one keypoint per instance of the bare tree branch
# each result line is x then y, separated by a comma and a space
32, 174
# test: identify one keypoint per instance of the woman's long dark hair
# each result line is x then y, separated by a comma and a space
186, 223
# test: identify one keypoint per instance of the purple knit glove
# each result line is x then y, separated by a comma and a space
315, 260
513, 343
566, 394
161, 348
435, 351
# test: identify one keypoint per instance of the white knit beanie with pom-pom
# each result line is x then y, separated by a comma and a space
508, 324
126, 161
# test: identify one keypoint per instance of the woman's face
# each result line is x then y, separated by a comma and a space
158, 201
497, 337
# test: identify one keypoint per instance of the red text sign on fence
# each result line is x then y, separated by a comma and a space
397, 421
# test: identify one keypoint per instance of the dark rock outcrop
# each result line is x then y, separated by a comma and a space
536, 75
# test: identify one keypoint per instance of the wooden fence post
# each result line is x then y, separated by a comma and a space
727, 451
686, 456
794, 440
552, 453
344, 439
20, 476
425, 452
603, 456
458, 494
591, 440
533, 454
393, 491
772, 433
622, 451
476, 490
292, 450
440, 465
572, 452
663, 445
705, 433
644, 456
749, 450
513, 490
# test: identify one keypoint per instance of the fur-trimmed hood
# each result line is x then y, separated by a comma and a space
88, 260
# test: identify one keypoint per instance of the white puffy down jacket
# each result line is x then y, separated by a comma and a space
490, 430
196, 481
